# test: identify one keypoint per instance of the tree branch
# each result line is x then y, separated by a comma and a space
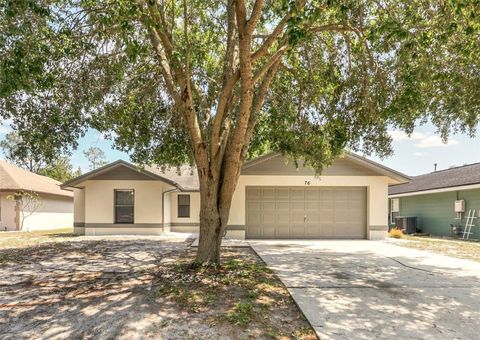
164, 65
259, 101
265, 68
228, 81
277, 31
159, 22
255, 16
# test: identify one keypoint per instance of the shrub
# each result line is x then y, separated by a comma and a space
395, 232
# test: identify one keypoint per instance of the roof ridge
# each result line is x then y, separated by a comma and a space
451, 168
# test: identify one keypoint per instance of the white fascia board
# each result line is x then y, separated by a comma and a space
436, 191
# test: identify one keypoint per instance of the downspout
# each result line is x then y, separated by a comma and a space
163, 206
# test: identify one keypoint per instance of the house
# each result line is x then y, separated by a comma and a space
431, 198
53, 209
273, 199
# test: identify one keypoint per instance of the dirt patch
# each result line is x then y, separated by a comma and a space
140, 289
469, 250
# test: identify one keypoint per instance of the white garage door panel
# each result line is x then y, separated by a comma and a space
297, 212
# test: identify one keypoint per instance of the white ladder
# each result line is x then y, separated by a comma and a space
469, 224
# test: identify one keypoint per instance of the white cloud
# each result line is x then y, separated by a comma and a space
398, 136
422, 140
420, 154
434, 141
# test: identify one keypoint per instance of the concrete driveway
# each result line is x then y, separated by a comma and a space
373, 289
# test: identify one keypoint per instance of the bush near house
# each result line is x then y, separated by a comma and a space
395, 233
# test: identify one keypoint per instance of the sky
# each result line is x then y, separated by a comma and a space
417, 154
413, 155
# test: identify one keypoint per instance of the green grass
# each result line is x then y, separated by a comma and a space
31, 238
241, 314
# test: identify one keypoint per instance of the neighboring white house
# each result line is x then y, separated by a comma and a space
273, 199
54, 208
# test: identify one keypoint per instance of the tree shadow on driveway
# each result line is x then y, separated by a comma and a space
365, 289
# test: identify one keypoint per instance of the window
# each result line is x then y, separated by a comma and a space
124, 206
183, 205
394, 209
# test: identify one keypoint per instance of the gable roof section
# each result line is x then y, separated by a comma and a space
13, 178
349, 164
443, 179
185, 178
102, 173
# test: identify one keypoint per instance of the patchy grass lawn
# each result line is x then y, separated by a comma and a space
243, 295
140, 288
26, 239
469, 250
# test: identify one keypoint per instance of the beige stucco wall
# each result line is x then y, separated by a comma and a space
99, 200
194, 208
7, 212
79, 205
54, 212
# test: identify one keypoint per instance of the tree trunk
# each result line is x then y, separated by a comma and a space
211, 231
214, 212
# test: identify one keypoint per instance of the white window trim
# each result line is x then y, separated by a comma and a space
392, 210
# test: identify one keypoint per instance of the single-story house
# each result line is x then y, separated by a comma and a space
51, 209
273, 199
438, 199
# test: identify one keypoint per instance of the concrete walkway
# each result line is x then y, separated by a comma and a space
373, 289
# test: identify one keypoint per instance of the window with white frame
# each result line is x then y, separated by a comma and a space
394, 209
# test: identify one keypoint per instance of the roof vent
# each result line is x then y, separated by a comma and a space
435, 167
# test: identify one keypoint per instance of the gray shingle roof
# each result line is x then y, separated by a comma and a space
185, 176
448, 178
13, 178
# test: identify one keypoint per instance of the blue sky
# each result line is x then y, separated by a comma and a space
416, 155
412, 156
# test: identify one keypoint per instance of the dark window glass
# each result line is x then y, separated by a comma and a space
393, 218
124, 206
183, 205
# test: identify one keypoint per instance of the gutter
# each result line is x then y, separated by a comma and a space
436, 191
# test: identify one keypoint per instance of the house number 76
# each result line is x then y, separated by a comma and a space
307, 182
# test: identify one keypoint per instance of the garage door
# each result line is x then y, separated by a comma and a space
298, 212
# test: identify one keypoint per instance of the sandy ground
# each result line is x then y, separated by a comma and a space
101, 288
469, 250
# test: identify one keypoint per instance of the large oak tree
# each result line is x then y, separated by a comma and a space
210, 83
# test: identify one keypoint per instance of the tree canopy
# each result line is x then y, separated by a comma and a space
211, 82
96, 157
350, 69
34, 160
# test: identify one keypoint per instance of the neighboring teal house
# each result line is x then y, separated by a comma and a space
436, 199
